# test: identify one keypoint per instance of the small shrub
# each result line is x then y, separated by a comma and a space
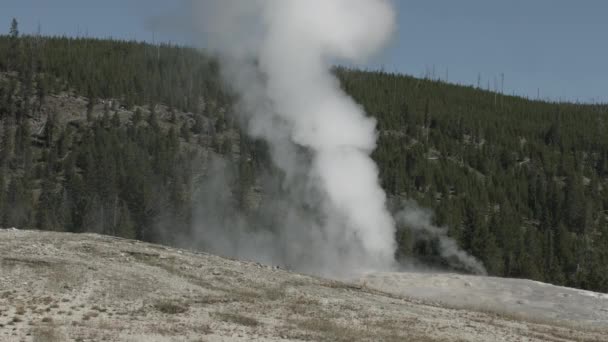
47, 334
90, 315
46, 300
170, 308
237, 318
275, 293
97, 308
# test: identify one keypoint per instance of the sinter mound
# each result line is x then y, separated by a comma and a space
67, 287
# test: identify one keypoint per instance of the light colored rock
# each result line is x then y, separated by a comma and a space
69, 287
515, 297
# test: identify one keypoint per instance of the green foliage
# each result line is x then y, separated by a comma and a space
519, 183
135, 73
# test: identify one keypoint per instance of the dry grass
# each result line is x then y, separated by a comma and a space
212, 300
170, 308
47, 334
326, 329
329, 330
500, 314
97, 308
46, 300
333, 284
25, 262
89, 315
236, 318
245, 295
221, 298
303, 305
557, 334
275, 293
204, 329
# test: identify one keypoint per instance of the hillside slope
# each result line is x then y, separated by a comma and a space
117, 137
68, 287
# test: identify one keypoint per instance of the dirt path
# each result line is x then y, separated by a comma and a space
66, 287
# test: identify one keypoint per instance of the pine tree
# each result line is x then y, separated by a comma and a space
125, 227
115, 120
50, 128
41, 91
8, 143
23, 150
15, 46
20, 201
90, 105
198, 126
3, 202
153, 118
45, 211
185, 132
105, 119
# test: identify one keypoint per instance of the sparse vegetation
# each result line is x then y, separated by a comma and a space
89, 315
47, 334
236, 318
170, 307
98, 308
303, 305
186, 305
275, 293
326, 329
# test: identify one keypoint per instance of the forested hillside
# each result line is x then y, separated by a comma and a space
116, 138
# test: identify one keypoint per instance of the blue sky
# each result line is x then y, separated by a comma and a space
556, 47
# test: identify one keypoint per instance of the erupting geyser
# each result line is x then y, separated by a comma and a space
277, 56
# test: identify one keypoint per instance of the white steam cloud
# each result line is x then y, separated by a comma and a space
420, 220
277, 55
328, 208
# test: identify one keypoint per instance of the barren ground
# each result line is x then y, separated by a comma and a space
65, 287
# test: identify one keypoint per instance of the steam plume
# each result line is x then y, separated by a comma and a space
278, 55
420, 220
328, 206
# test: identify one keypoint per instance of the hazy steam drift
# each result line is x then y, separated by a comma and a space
292, 100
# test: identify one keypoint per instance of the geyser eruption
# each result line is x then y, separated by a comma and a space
326, 213
277, 55
300, 40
